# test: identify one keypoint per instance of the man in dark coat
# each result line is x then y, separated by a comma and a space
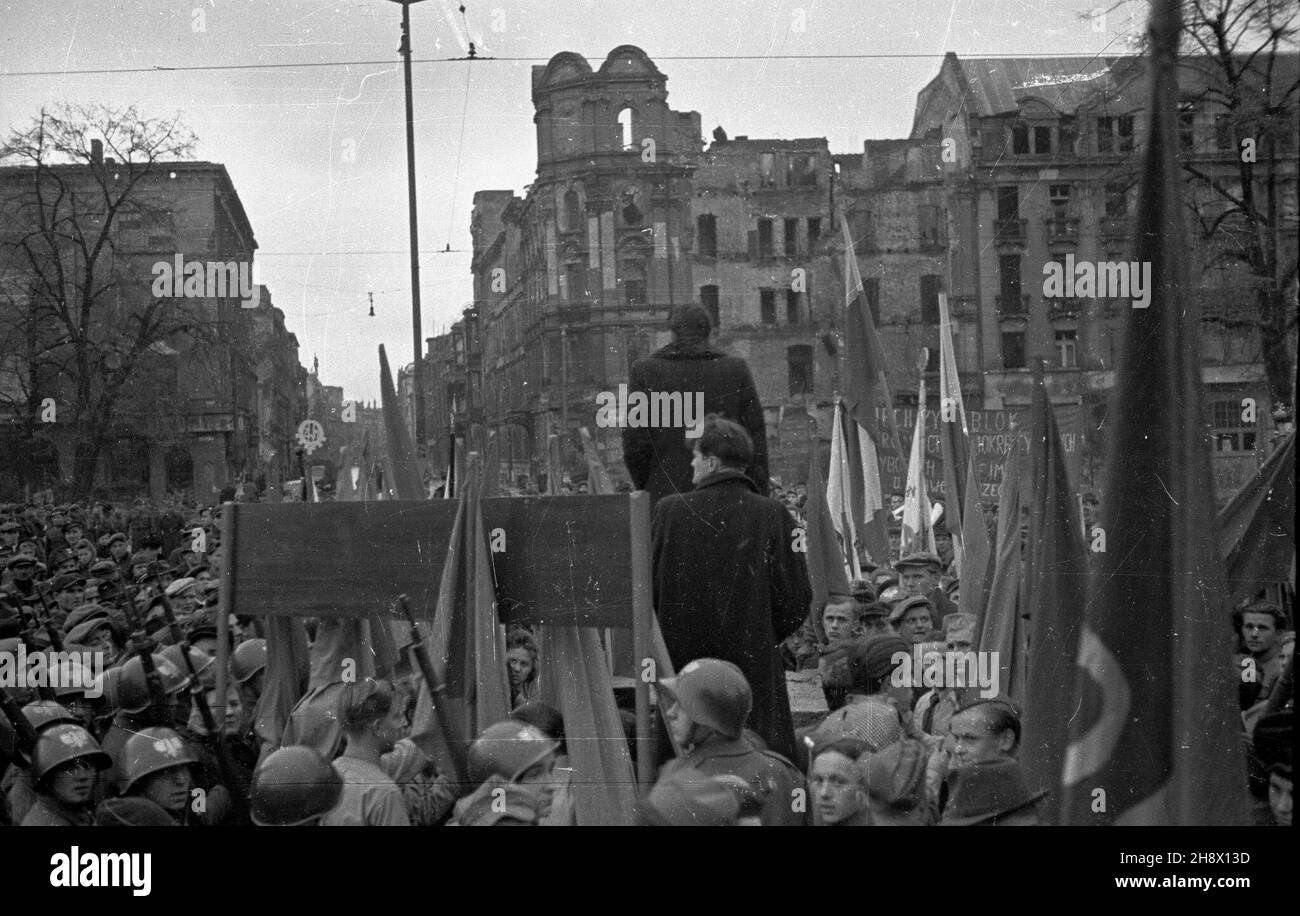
659, 459
731, 581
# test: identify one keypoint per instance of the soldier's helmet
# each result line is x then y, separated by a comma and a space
75, 679
248, 658
713, 693
133, 685
112, 678
44, 713
507, 749
152, 750
62, 743
201, 660
292, 786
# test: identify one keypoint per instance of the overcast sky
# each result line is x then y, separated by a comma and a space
332, 228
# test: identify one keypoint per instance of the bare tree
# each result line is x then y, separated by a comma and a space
84, 312
1239, 60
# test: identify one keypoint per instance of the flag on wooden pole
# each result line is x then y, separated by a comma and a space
826, 558
918, 528
1155, 730
953, 434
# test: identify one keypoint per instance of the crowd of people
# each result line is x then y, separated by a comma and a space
145, 739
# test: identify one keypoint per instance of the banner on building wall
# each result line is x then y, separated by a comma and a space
991, 433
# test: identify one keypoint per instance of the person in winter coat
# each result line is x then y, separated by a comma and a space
658, 457
729, 580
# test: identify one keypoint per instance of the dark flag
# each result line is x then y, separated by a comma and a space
1155, 733
825, 555
1001, 628
1056, 593
1257, 526
866, 388
977, 551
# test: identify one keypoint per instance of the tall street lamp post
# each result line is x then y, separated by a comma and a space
416, 337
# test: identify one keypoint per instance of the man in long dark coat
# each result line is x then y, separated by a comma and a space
659, 459
731, 581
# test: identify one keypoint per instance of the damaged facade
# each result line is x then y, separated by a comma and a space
1011, 164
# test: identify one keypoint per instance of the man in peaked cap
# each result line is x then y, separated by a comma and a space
918, 574
22, 577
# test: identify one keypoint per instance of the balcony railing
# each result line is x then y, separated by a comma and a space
962, 305
1115, 228
1063, 230
1012, 306
574, 312
1009, 231
1064, 308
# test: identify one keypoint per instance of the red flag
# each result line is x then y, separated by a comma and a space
853, 490
1155, 730
1257, 526
825, 555
1001, 628
1056, 593
977, 556
866, 387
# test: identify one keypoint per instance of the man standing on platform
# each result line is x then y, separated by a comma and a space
658, 458
730, 577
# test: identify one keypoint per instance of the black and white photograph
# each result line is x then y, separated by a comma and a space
591, 413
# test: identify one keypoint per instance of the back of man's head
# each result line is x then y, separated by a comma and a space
727, 441
364, 702
690, 323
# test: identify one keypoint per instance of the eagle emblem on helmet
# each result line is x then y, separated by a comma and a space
74, 738
169, 746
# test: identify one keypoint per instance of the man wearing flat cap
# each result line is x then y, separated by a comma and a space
918, 574
913, 618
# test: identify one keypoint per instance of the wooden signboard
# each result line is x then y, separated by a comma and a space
565, 559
